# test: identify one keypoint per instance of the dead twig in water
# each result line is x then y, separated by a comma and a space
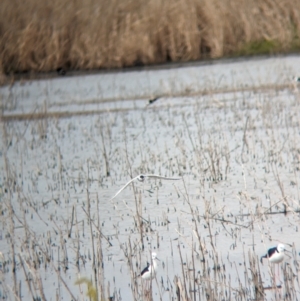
110, 244
70, 232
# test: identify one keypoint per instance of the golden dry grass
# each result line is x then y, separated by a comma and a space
44, 35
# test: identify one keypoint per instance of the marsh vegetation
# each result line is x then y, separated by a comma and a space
238, 154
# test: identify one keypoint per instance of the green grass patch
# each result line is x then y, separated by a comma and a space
260, 47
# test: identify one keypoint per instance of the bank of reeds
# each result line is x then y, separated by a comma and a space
46, 35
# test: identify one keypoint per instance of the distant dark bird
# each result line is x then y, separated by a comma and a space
61, 71
150, 270
151, 101
275, 255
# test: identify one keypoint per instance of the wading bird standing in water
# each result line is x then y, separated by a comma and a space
150, 270
275, 255
148, 273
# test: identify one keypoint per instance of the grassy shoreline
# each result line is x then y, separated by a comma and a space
38, 36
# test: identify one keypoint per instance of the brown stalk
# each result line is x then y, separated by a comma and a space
100, 257
183, 274
91, 228
11, 212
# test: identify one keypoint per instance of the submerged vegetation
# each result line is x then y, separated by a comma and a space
91, 289
95, 34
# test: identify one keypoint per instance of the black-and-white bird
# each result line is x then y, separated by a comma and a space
296, 79
150, 270
275, 255
142, 178
296, 83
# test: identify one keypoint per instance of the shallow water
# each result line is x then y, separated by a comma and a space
237, 151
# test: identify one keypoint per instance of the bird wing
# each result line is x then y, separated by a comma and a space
146, 269
124, 187
159, 177
272, 251
141, 177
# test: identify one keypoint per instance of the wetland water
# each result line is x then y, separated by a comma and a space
230, 130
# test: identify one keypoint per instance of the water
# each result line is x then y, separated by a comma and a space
235, 143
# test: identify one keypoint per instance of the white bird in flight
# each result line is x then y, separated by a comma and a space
141, 178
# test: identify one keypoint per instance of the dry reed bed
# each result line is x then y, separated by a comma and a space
42, 36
